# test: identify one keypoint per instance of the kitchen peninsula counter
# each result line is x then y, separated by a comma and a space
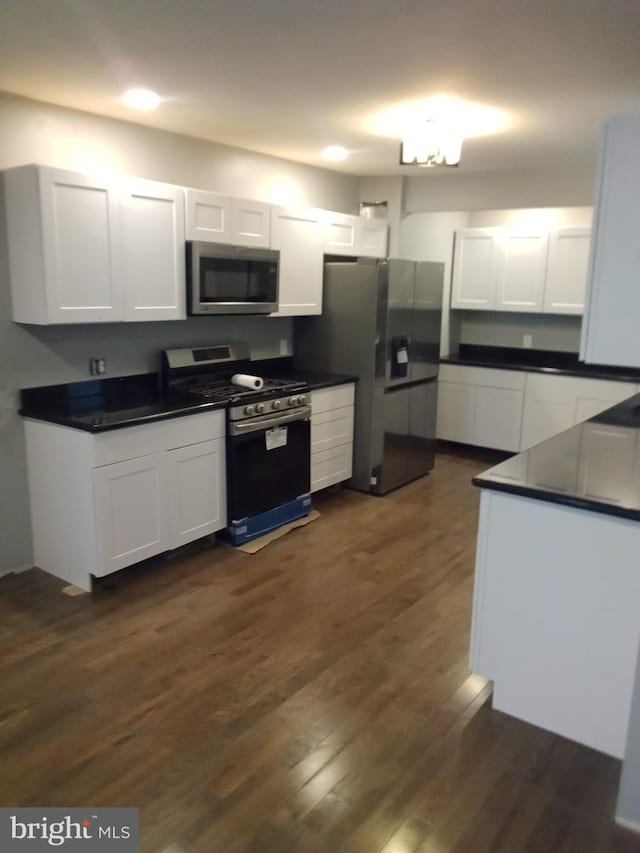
556, 613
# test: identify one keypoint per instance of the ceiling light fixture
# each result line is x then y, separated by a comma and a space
334, 153
433, 143
141, 99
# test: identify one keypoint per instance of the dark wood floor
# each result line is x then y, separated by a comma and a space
314, 697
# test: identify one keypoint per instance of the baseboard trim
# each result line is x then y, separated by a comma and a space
628, 824
17, 570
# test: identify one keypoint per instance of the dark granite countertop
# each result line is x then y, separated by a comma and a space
316, 379
594, 465
98, 405
553, 362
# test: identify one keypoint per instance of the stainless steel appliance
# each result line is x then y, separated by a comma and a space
381, 321
224, 279
268, 435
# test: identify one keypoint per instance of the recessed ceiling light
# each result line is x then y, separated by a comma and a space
141, 99
334, 152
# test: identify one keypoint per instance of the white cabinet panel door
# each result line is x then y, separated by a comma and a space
474, 269
372, 238
207, 217
521, 272
341, 234
299, 236
609, 458
595, 395
250, 223
549, 407
131, 511
197, 491
498, 418
81, 248
456, 404
567, 264
153, 263
345, 234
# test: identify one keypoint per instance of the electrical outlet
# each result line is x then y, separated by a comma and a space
527, 341
97, 366
284, 346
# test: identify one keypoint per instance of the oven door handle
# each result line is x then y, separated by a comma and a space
269, 421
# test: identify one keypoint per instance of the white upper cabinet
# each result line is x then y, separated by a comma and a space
299, 236
64, 250
521, 270
356, 236
84, 250
373, 237
566, 278
250, 223
497, 269
207, 216
475, 264
610, 330
153, 259
340, 234
215, 218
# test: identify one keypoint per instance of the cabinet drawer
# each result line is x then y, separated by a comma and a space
143, 439
325, 399
332, 466
331, 429
490, 377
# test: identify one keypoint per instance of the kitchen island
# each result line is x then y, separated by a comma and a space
556, 612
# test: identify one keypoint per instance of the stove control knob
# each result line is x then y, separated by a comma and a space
277, 404
302, 400
292, 401
249, 410
259, 408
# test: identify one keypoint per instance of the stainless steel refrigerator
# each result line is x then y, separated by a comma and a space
381, 322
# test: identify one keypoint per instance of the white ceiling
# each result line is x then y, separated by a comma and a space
288, 77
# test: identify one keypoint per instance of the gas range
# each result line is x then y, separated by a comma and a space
206, 372
268, 441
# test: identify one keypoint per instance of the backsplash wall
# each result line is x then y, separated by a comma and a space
502, 329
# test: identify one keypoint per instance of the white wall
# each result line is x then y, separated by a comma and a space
448, 189
34, 132
29, 356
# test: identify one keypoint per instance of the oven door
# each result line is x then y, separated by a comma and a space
267, 468
232, 279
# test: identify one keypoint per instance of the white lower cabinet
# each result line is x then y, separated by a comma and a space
514, 410
332, 411
131, 511
456, 402
197, 493
100, 502
555, 403
480, 406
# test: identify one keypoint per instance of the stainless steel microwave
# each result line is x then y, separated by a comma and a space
224, 279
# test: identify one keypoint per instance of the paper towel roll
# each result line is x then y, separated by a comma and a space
247, 381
